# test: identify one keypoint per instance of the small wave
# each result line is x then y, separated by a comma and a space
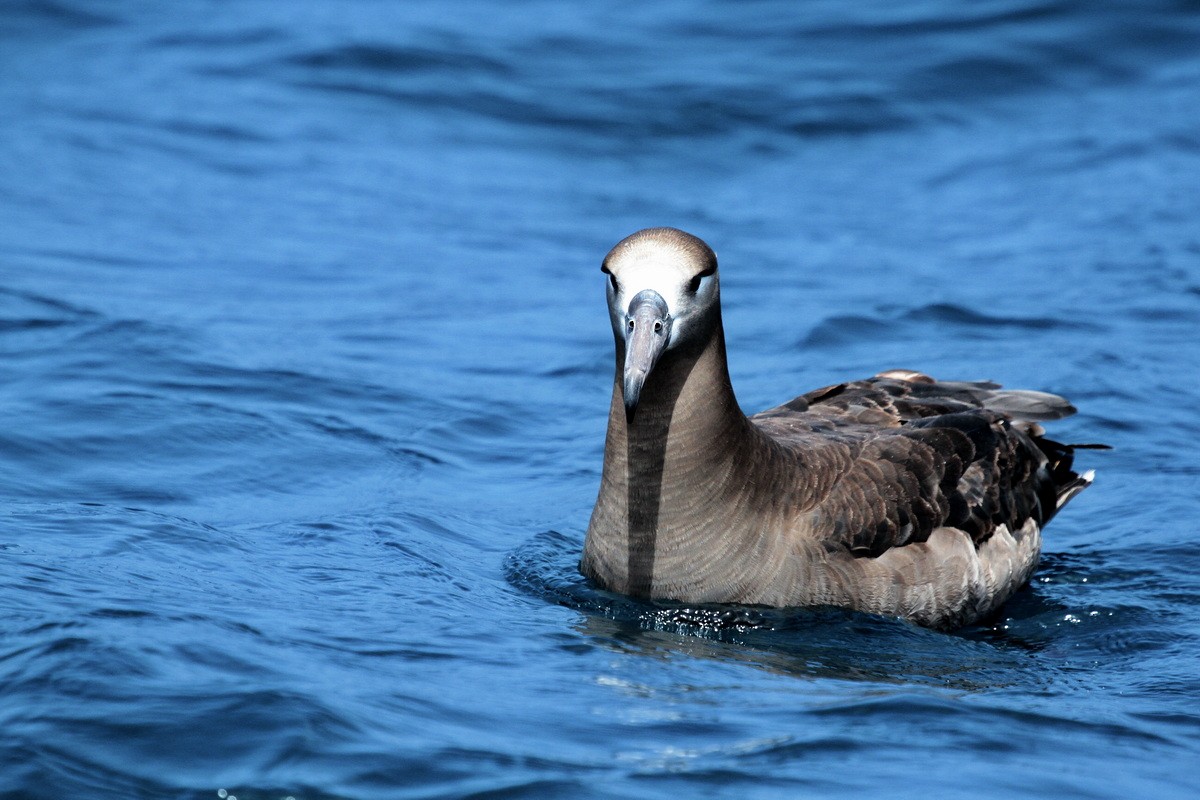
937, 64
219, 39
845, 329
386, 58
223, 132
967, 322
961, 315
45, 304
982, 717
35, 324
662, 112
969, 78
51, 13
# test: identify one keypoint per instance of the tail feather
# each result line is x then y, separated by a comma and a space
1074, 487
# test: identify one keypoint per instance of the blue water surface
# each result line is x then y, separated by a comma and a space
304, 370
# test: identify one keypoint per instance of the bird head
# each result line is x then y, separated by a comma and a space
663, 295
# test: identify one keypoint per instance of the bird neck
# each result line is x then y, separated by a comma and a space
667, 469
687, 413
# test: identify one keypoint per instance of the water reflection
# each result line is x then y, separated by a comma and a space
812, 643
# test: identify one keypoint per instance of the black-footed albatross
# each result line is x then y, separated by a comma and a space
898, 495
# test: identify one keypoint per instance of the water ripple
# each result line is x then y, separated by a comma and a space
944, 318
824, 642
302, 340
638, 91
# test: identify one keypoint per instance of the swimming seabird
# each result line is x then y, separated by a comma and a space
897, 495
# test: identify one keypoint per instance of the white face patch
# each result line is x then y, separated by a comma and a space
669, 272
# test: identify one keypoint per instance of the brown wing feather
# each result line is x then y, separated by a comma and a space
912, 454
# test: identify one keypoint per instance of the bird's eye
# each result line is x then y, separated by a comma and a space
694, 284
612, 279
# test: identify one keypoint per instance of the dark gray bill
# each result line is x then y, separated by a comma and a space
647, 328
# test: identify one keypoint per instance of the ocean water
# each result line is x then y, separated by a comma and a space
304, 367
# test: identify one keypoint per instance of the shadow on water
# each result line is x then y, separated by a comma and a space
804, 642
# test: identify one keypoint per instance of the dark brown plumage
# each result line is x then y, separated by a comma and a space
897, 495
